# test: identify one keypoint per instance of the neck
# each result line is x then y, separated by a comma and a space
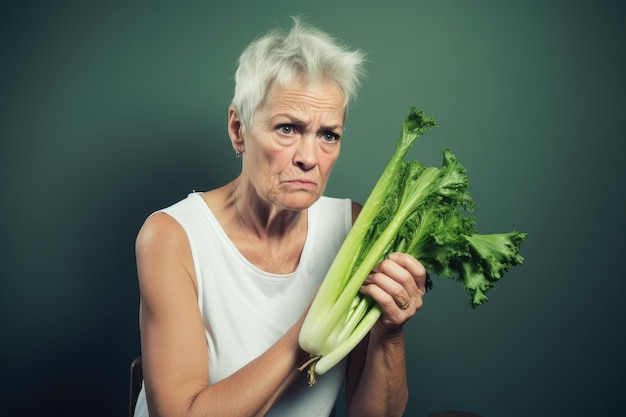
270, 238
262, 219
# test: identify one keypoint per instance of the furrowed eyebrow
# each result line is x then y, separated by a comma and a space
332, 128
299, 122
292, 119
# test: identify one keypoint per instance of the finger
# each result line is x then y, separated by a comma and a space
389, 304
415, 268
399, 273
393, 288
406, 270
397, 306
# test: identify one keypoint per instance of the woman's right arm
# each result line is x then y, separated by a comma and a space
173, 344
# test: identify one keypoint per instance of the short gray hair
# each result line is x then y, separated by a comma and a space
277, 58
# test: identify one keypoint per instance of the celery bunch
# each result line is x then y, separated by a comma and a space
412, 209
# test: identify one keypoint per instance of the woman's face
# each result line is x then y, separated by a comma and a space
293, 143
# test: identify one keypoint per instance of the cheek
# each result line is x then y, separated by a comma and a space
327, 163
328, 168
277, 161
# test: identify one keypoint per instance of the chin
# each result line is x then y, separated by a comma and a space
300, 200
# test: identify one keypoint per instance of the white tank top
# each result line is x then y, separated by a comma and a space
246, 310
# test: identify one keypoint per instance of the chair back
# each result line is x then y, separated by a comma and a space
136, 379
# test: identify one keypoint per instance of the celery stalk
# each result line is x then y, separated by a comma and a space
412, 209
331, 297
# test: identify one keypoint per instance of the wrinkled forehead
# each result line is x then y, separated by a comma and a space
320, 98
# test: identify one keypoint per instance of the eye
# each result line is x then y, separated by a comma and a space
330, 137
286, 129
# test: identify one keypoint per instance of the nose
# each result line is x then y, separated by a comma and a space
305, 156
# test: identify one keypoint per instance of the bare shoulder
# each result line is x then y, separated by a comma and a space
162, 250
159, 228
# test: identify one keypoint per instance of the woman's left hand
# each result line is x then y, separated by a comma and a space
398, 285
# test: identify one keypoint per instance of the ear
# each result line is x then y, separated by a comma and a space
235, 129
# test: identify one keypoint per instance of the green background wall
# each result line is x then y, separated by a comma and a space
111, 110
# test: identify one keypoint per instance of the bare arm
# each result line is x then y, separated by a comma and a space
377, 382
174, 349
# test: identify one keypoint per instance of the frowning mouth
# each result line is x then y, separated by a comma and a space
302, 183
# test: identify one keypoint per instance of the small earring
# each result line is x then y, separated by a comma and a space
238, 152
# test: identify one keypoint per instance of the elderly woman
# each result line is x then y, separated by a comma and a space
226, 275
